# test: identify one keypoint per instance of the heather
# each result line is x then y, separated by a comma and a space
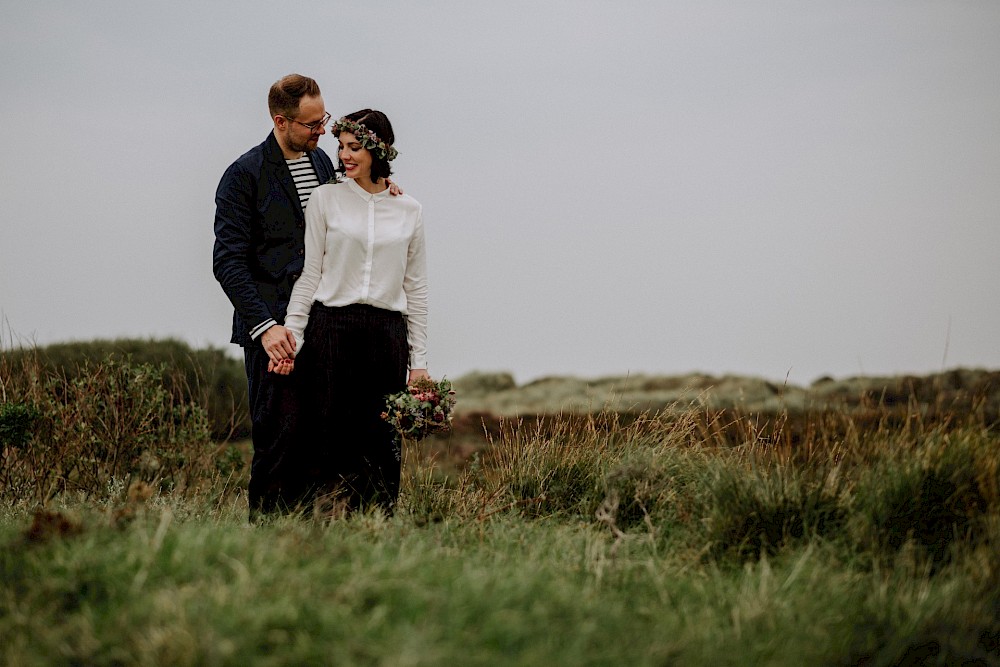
856, 527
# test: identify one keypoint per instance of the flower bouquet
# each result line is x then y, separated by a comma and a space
423, 408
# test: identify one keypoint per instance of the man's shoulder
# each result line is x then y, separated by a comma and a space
253, 157
251, 166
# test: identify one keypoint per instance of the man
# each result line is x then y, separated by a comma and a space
259, 254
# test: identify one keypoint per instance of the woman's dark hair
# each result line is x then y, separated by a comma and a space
377, 122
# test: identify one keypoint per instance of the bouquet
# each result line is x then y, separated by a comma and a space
423, 408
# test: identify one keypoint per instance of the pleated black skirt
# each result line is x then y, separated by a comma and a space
352, 358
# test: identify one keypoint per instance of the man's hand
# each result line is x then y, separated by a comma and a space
278, 342
418, 374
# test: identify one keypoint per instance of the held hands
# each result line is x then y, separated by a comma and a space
278, 342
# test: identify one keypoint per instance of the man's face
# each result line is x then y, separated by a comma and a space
297, 136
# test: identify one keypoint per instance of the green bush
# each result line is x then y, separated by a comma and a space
97, 432
207, 377
17, 423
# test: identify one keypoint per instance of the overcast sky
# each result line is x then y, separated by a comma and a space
774, 188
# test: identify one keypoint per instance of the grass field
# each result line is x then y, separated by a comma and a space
572, 545
176, 589
866, 535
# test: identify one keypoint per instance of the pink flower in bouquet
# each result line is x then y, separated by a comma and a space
423, 408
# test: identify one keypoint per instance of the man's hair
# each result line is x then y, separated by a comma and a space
377, 122
283, 98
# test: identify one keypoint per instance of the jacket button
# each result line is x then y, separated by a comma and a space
302, 251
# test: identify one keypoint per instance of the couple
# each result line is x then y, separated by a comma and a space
328, 280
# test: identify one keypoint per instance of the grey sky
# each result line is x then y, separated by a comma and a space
766, 188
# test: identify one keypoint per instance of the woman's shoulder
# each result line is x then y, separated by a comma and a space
328, 190
331, 186
405, 202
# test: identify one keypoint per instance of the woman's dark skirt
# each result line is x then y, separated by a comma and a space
352, 358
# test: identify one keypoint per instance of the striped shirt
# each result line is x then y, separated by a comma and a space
304, 176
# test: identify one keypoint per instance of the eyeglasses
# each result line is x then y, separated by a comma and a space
312, 127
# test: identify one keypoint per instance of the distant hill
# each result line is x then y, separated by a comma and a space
959, 390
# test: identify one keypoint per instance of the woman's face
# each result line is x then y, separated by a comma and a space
356, 158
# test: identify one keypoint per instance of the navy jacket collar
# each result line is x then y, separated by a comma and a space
321, 163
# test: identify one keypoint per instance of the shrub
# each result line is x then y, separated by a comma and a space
113, 423
207, 377
17, 422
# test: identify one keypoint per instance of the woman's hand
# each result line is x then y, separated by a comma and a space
282, 367
418, 374
394, 189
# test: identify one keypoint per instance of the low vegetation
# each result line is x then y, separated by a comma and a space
212, 379
863, 531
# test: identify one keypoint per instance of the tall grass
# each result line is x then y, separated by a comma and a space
863, 536
724, 487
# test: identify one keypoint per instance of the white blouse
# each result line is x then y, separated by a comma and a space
363, 248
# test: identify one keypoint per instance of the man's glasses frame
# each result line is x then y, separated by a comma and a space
312, 127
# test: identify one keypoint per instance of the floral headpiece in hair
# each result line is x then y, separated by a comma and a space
366, 138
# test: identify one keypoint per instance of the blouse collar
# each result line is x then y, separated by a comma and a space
364, 194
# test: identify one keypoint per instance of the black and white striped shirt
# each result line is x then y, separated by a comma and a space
304, 176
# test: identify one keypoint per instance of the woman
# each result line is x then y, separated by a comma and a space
359, 316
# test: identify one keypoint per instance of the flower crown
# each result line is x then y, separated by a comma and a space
366, 138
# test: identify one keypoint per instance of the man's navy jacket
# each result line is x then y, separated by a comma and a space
260, 234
